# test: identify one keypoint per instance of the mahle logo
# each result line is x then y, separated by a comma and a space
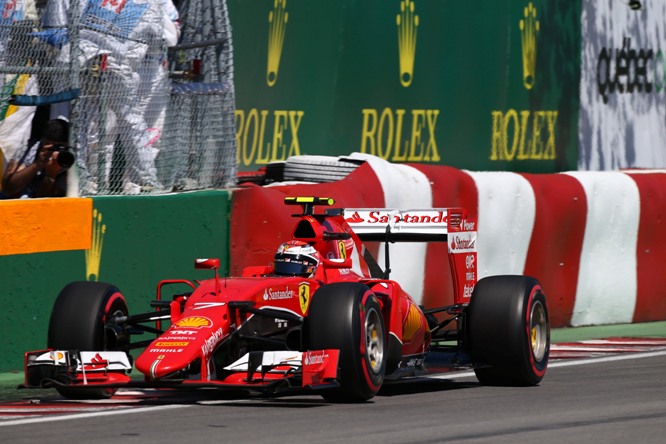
408, 23
94, 254
277, 27
529, 28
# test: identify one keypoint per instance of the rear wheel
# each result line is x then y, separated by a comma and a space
348, 317
79, 321
508, 331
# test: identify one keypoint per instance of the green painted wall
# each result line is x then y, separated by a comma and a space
429, 81
141, 240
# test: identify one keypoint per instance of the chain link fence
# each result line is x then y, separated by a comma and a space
149, 112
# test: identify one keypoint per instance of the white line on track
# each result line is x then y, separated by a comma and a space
91, 414
454, 375
589, 349
635, 342
607, 359
566, 363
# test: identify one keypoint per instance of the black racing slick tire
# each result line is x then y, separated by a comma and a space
79, 322
508, 331
347, 316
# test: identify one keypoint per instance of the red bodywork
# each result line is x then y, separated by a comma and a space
194, 349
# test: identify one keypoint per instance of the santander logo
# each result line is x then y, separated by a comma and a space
384, 217
461, 243
355, 218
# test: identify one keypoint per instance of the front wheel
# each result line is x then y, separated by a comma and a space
79, 321
508, 331
347, 316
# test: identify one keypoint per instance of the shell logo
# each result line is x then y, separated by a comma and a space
57, 356
194, 322
412, 324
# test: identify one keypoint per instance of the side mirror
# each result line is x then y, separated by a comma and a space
207, 264
210, 264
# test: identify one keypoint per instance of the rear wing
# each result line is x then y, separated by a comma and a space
448, 225
419, 225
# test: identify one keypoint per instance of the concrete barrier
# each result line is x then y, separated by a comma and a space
595, 240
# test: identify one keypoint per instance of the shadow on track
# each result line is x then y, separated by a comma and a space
423, 385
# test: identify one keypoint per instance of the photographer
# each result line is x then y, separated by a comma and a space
40, 171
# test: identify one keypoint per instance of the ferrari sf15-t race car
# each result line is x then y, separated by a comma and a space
325, 318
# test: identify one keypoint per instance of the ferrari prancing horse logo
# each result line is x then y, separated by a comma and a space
304, 296
342, 250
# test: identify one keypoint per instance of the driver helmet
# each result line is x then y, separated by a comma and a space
296, 258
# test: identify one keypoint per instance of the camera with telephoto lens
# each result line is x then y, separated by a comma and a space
65, 156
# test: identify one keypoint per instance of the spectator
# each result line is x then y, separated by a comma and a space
17, 20
154, 84
113, 42
37, 172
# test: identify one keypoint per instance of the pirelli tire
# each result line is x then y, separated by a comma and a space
508, 331
79, 321
347, 316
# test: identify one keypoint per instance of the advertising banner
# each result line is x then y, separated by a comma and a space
623, 74
488, 85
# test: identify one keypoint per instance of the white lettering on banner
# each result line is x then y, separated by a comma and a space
468, 226
467, 291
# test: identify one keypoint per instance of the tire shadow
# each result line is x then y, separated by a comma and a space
424, 385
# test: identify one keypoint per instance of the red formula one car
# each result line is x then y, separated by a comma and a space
325, 318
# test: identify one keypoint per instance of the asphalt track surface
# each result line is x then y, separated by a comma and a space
611, 391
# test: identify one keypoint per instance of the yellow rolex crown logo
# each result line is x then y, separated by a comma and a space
94, 254
277, 27
529, 28
407, 23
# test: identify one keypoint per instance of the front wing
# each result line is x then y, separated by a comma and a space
265, 372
